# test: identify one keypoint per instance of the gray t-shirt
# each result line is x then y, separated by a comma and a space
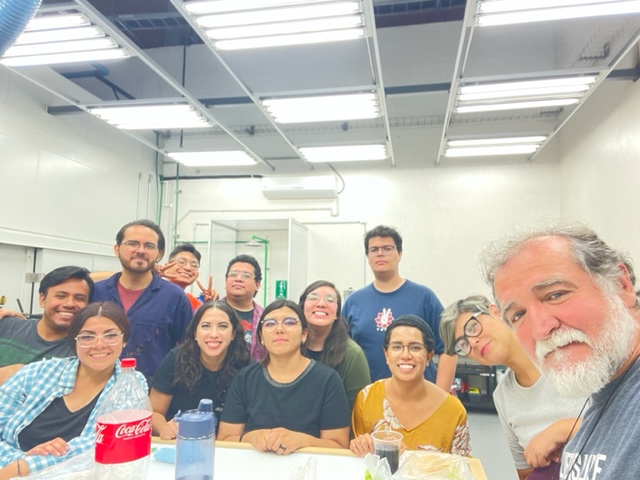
20, 343
606, 445
525, 411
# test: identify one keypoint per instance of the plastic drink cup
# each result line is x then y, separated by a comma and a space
387, 445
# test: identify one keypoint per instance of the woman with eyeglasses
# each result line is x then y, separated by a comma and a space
203, 366
288, 401
535, 418
427, 416
48, 408
328, 341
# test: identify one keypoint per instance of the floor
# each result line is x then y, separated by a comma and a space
489, 445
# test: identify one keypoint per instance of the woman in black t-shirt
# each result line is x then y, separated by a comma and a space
201, 367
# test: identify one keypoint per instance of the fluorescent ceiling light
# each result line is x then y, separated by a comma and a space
301, 12
282, 40
151, 117
56, 39
496, 141
220, 6
61, 47
530, 92
528, 84
323, 108
505, 12
47, 22
88, 56
493, 107
234, 25
60, 35
213, 159
491, 150
315, 25
351, 153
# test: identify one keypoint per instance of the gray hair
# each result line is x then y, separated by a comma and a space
594, 256
450, 315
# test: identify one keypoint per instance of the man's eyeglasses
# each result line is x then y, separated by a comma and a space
415, 349
135, 245
315, 298
86, 340
385, 250
288, 324
241, 275
183, 262
472, 328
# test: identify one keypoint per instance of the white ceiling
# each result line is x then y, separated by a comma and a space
419, 59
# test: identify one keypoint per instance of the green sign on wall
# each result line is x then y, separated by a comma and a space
281, 289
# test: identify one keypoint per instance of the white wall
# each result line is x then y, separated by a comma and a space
68, 184
600, 170
444, 214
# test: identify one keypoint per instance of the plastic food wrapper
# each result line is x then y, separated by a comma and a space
165, 454
78, 467
420, 465
305, 472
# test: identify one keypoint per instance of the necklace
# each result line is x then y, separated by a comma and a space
620, 381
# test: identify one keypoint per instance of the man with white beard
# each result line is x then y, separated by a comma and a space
572, 302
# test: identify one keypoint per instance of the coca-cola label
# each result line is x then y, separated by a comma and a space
123, 442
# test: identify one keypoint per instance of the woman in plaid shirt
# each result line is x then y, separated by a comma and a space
48, 408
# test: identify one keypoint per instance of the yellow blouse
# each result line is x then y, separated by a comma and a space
446, 430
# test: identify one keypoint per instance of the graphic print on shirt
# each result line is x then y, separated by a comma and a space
384, 319
587, 466
248, 329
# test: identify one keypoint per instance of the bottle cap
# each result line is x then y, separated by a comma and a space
128, 363
206, 405
196, 425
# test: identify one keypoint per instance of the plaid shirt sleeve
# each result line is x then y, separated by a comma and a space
86, 440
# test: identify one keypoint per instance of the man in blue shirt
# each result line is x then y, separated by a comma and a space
158, 311
370, 310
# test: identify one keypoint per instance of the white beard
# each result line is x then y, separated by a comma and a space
609, 352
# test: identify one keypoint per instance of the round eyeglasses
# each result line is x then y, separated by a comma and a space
472, 328
86, 340
288, 324
183, 262
315, 298
414, 349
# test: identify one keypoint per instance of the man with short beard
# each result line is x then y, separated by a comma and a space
158, 311
571, 299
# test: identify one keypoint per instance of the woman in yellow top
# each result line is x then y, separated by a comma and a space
427, 416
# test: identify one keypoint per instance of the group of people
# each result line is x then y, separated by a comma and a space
320, 373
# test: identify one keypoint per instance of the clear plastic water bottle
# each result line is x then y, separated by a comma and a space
123, 430
195, 443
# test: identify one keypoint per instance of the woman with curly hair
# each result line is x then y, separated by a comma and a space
203, 366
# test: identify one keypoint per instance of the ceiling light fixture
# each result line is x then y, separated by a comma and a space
494, 146
55, 39
349, 153
233, 25
230, 158
506, 12
151, 117
551, 92
323, 108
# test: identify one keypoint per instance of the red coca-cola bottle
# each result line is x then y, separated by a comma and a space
123, 429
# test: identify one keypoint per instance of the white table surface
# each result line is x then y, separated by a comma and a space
233, 463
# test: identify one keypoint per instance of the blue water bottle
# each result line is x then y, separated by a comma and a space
195, 443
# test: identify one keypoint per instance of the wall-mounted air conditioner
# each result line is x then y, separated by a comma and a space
281, 188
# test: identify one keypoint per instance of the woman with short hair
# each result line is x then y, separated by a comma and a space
428, 417
288, 401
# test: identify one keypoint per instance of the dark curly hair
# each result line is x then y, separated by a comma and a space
335, 345
189, 368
